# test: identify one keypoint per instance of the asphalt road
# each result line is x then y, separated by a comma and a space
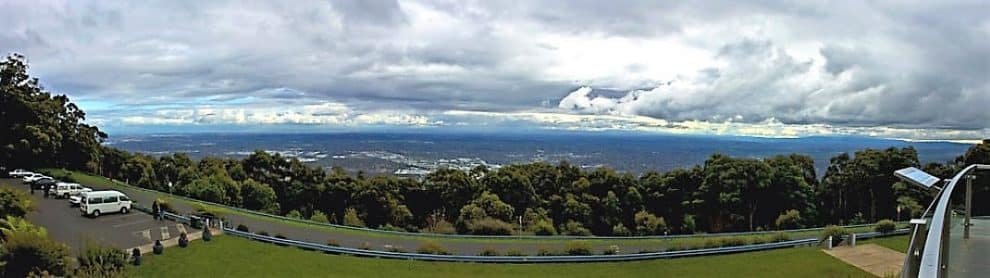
67, 224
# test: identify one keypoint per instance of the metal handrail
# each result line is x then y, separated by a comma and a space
538, 259
931, 256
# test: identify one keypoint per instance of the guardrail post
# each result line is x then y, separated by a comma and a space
828, 243
852, 240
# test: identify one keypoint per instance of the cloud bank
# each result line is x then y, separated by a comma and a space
914, 69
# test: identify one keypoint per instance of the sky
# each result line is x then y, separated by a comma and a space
896, 69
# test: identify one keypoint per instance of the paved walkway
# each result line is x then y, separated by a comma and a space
872, 258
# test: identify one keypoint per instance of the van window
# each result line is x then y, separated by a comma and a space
112, 199
124, 198
94, 200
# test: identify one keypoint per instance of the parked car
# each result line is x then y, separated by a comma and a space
33, 177
42, 182
96, 203
19, 173
64, 190
75, 200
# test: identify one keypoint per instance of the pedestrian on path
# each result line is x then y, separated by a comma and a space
154, 209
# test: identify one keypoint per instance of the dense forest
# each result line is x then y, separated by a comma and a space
723, 194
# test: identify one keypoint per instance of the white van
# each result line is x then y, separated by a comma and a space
96, 203
65, 190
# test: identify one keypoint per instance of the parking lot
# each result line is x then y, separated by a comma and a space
67, 224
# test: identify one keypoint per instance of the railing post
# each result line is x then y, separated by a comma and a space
828, 243
852, 239
969, 205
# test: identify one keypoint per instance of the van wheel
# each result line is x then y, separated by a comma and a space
96, 213
123, 210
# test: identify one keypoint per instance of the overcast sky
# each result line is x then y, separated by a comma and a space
905, 69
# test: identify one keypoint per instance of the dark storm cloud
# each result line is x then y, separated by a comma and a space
902, 64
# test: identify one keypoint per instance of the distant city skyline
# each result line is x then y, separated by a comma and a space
910, 70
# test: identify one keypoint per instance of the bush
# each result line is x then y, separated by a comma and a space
99, 261
442, 226
649, 224
294, 214
333, 242
136, 256
620, 230
28, 251
207, 235
242, 228
712, 243
389, 227
789, 220
351, 218
837, 233
574, 228
165, 205
779, 237
514, 252
885, 226
488, 251
611, 250
320, 217
546, 252
489, 226
577, 248
15, 202
365, 245
732, 241
543, 228
263, 233
432, 247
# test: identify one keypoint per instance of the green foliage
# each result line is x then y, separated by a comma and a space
319, 216
620, 230
885, 226
789, 220
649, 224
489, 226
514, 252
837, 233
14, 202
259, 196
294, 214
333, 242
546, 252
543, 228
611, 250
574, 228
31, 251
242, 228
351, 218
432, 247
101, 261
577, 248
165, 205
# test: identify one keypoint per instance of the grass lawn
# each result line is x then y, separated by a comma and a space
689, 241
229, 256
898, 243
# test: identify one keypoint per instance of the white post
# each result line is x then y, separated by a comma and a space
852, 240
969, 205
828, 242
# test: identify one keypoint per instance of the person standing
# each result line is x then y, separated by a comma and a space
154, 209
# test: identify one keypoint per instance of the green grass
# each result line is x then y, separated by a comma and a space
683, 242
228, 256
898, 243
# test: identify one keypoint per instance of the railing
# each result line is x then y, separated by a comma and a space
539, 259
926, 252
416, 234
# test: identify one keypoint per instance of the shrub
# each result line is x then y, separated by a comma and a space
649, 224
789, 220
351, 218
100, 261
207, 235
333, 242
837, 233
885, 226
389, 227
158, 248
263, 233
712, 243
543, 228
514, 252
574, 228
365, 245
15, 202
759, 239
442, 226
488, 251
432, 247
165, 205
489, 226
294, 214
611, 250
136, 256
620, 230
27, 251
242, 228
319, 216
577, 248
546, 252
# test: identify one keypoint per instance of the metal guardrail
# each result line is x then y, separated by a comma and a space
932, 262
416, 234
539, 259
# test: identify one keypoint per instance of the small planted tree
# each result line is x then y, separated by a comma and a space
837, 233
578, 248
885, 226
183, 240
207, 235
136, 256
158, 249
